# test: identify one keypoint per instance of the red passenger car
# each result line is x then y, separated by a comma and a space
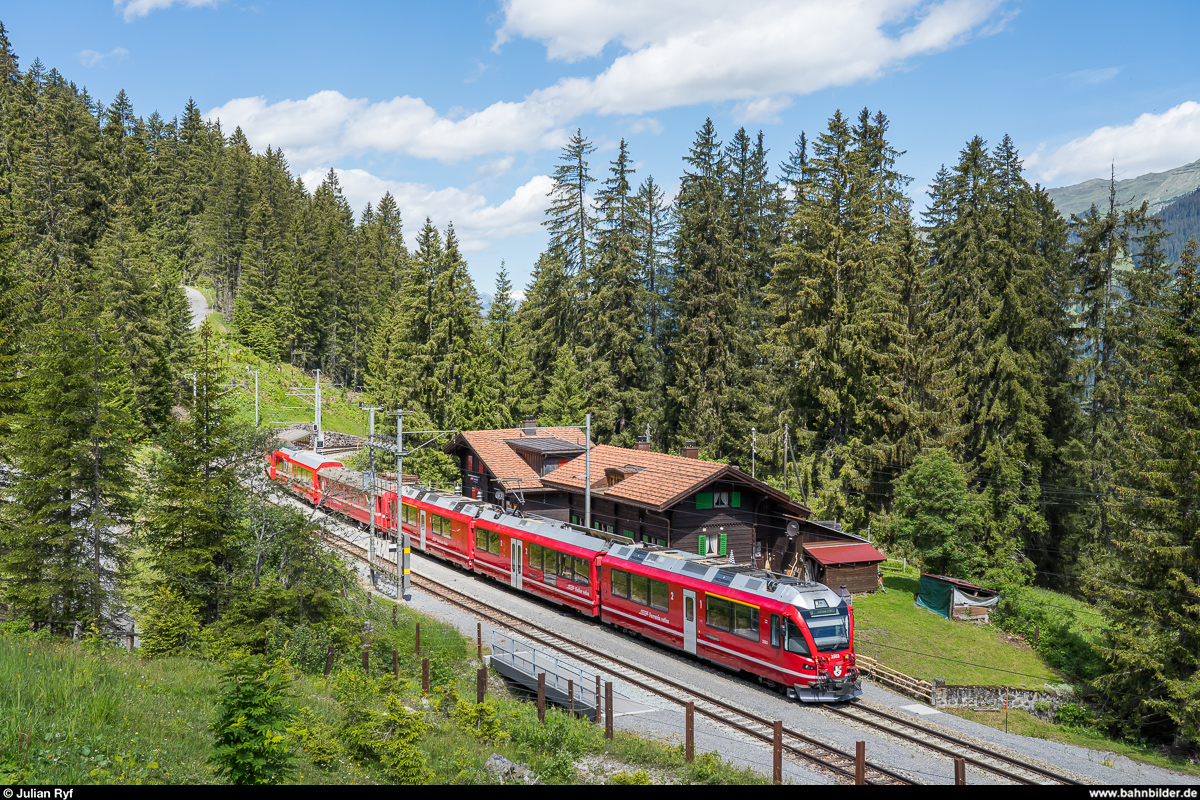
788, 632
542, 557
440, 524
297, 470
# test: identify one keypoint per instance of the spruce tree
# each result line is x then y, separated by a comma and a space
1149, 593
564, 401
615, 355
192, 523
706, 391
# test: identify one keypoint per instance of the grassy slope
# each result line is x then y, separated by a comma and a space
917, 642
339, 410
70, 715
1028, 725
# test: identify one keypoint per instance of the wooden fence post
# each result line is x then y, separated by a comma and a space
393, 616
366, 664
960, 772
481, 684
608, 704
425, 676
777, 753
417, 641
571, 695
599, 703
329, 661
689, 747
860, 763
395, 663
479, 641
541, 703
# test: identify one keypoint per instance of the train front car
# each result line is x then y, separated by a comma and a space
817, 638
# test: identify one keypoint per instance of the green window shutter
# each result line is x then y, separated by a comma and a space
662, 542
703, 545
704, 500
735, 500
629, 533
724, 542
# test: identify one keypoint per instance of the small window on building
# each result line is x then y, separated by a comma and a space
720, 500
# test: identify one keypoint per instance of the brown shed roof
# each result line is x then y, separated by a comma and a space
661, 481
502, 461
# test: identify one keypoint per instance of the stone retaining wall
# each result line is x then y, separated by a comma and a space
994, 697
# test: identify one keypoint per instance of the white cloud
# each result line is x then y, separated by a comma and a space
1151, 143
91, 58
1092, 77
475, 221
680, 53
328, 125
131, 9
757, 54
761, 109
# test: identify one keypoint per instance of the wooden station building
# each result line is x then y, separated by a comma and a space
673, 501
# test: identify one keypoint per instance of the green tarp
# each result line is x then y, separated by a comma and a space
935, 595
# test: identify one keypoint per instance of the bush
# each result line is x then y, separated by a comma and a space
1071, 715
252, 718
169, 624
639, 778
318, 739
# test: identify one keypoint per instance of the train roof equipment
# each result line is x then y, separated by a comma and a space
771, 585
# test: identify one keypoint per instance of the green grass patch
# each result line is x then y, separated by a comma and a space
1026, 724
76, 713
277, 382
917, 642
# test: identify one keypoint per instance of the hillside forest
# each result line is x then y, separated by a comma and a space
1001, 393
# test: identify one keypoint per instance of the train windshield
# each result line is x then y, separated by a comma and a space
830, 627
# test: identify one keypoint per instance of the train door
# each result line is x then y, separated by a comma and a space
689, 621
422, 529
515, 545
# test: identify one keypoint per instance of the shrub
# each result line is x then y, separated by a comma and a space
252, 718
639, 778
169, 624
318, 738
1072, 715
399, 733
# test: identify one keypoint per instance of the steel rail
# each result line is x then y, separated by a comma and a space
572, 649
475, 606
848, 713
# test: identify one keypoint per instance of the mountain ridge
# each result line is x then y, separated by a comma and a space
1159, 189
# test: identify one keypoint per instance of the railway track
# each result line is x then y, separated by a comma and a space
976, 756
832, 760
838, 763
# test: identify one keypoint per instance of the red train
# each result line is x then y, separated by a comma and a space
787, 632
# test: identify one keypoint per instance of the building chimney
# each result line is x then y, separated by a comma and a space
529, 427
643, 444
690, 450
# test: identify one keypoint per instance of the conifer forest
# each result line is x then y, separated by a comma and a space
1030, 379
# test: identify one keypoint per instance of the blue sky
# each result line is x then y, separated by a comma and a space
459, 108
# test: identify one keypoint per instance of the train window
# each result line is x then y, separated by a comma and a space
439, 526
796, 643
745, 621
619, 583
566, 566
659, 595
535, 556
583, 571
494, 544
639, 589
718, 613
776, 631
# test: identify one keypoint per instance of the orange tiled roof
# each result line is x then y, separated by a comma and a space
662, 481
502, 461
